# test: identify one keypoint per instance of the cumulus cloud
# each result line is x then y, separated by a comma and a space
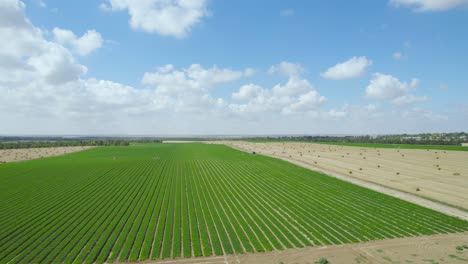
387, 87
41, 79
170, 18
294, 86
248, 91
309, 101
287, 69
27, 56
295, 96
384, 86
351, 68
84, 45
429, 5
43, 89
195, 78
43, 86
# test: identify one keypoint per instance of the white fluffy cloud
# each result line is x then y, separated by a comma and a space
84, 45
193, 79
429, 5
248, 91
44, 90
43, 87
309, 101
40, 79
387, 87
351, 68
297, 95
287, 69
27, 56
166, 17
384, 86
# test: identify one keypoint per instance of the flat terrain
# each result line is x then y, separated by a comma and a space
400, 146
12, 155
433, 174
463, 147
162, 201
441, 249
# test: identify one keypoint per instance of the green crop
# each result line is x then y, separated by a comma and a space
159, 201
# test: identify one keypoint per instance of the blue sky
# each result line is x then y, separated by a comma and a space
401, 67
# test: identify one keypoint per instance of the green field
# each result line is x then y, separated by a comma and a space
182, 200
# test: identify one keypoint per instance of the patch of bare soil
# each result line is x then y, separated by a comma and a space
13, 155
424, 249
433, 174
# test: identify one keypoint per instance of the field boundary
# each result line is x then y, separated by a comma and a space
434, 205
361, 252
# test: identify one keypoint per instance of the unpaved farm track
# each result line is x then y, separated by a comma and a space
13, 155
424, 249
408, 174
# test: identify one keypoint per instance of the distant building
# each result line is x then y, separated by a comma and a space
465, 144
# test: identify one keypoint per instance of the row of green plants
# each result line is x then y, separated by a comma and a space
123, 204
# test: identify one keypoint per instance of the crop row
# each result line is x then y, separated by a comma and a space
188, 200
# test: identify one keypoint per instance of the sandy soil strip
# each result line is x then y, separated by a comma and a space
13, 155
407, 174
423, 249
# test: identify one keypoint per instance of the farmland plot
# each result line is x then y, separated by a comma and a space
187, 200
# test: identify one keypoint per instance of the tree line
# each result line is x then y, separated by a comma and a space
70, 143
414, 139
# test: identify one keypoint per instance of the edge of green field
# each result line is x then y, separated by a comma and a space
138, 202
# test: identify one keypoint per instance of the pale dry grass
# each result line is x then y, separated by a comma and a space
13, 155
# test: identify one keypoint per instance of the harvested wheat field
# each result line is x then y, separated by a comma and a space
12, 155
438, 175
